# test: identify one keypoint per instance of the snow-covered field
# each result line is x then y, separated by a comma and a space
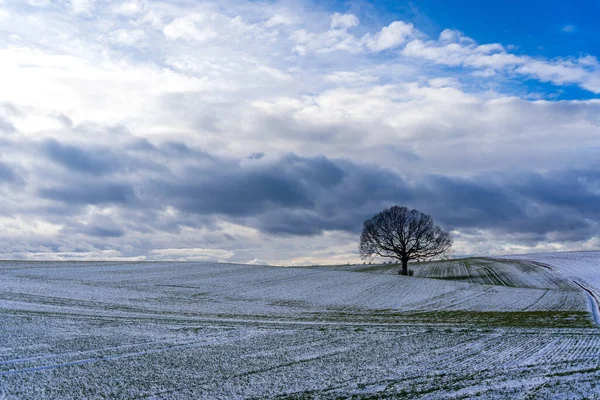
202, 330
240, 290
582, 266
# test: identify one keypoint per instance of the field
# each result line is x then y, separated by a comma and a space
583, 268
485, 271
473, 328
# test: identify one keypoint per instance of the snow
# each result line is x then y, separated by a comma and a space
212, 289
206, 330
582, 266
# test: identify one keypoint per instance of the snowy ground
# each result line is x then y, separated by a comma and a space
201, 330
583, 268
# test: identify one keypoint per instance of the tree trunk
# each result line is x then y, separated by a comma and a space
404, 270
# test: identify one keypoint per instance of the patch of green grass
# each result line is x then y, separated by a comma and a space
538, 319
377, 268
527, 319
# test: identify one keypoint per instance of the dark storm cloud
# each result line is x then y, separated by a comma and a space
293, 195
235, 189
570, 189
104, 232
304, 196
93, 161
462, 202
561, 203
90, 193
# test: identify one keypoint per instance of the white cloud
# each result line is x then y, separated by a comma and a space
470, 55
186, 28
453, 49
390, 36
17, 226
38, 3
273, 73
110, 88
588, 60
279, 19
450, 35
444, 82
486, 73
568, 28
129, 8
127, 38
191, 254
344, 21
97, 255
350, 77
339, 39
256, 261
584, 71
82, 6
325, 42
153, 18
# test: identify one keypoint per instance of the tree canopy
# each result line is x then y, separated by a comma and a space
404, 234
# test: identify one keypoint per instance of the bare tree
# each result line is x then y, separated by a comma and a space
404, 234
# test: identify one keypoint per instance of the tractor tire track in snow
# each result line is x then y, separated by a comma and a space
594, 302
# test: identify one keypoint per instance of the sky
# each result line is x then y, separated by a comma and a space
268, 131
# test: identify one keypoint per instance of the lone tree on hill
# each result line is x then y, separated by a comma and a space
398, 232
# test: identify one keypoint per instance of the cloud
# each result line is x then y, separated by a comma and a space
337, 38
96, 161
89, 193
129, 8
99, 226
583, 71
444, 82
450, 35
126, 37
290, 196
38, 3
188, 254
390, 36
568, 28
96, 255
343, 21
6, 173
325, 42
279, 19
186, 28
82, 6
307, 196
454, 49
249, 188
6, 127
467, 54
350, 77
270, 131
295, 195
